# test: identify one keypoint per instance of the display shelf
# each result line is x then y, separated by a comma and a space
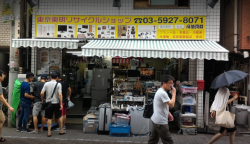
186, 115
120, 110
118, 100
188, 101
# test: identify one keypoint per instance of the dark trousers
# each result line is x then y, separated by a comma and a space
160, 131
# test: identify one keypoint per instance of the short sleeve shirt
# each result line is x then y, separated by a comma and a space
161, 108
1, 92
65, 87
49, 88
25, 88
38, 88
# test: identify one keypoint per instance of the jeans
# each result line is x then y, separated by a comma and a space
24, 116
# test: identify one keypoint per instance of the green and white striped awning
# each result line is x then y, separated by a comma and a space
45, 43
156, 49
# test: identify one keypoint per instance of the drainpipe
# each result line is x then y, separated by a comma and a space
235, 27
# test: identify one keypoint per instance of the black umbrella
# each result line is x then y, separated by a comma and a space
228, 78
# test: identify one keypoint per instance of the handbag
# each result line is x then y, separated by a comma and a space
224, 118
49, 104
70, 104
149, 110
44, 105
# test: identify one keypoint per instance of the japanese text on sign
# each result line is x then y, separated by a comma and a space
140, 27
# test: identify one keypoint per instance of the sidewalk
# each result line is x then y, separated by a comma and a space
77, 136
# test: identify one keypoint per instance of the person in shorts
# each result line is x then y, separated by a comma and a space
3, 101
37, 106
55, 100
221, 100
66, 92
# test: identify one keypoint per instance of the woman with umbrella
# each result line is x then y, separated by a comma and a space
223, 98
220, 102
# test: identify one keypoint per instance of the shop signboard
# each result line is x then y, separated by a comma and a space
125, 27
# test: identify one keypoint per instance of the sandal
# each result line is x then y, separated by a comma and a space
49, 135
2, 139
62, 133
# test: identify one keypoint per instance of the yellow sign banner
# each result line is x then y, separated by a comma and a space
125, 27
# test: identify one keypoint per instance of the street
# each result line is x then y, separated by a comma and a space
78, 137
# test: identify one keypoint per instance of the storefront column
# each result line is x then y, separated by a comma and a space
33, 60
196, 72
248, 87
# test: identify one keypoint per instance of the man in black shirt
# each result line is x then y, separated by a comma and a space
66, 98
37, 107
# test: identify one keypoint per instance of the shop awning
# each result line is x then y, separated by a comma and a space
45, 43
193, 49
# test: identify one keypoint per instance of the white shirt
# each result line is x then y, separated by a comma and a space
161, 108
49, 88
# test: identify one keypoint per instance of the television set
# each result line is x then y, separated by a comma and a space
62, 28
133, 75
147, 73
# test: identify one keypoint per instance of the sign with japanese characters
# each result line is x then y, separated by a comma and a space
125, 27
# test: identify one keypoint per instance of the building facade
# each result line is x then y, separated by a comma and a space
5, 33
235, 36
97, 8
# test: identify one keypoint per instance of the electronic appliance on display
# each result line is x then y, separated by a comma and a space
62, 28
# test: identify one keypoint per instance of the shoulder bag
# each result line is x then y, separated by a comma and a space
48, 105
225, 118
149, 110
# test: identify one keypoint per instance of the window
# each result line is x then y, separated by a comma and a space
158, 4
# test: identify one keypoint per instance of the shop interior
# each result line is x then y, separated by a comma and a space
128, 82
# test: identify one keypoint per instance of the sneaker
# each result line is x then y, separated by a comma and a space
33, 132
25, 131
57, 129
64, 127
41, 131
18, 130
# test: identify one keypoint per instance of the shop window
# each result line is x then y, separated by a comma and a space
161, 4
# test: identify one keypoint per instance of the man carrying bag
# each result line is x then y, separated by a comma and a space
53, 91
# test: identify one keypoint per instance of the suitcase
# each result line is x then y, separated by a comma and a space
105, 114
139, 124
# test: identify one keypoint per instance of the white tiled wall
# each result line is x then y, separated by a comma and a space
105, 7
196, 72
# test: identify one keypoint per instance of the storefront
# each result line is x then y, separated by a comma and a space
151, 40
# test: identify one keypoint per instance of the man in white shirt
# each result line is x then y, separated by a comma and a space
162, 102
55, 99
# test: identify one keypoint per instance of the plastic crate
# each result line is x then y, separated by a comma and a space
122, 120
118, 130
188, 101
189, 90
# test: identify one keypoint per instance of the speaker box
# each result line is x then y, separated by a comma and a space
116, 3
212, 3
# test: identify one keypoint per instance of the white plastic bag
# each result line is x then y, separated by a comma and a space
70, 104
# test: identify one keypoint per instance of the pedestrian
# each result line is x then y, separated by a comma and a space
222, 99
161, 104
3, 101
37, 106
66, 92
26, 101
53, 91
